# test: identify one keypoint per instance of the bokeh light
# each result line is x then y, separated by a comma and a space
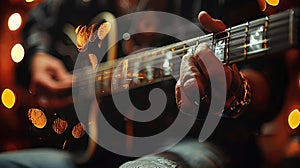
17, 53
262, 4
299, 80
14, 21
29, 0
78, 130
59, 125
273, 2
37, 117
8, 98
294, 119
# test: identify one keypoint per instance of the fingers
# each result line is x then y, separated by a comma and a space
190, 88
184, 103
210, 24
49, 76
191, 79
46, 85
61, 74
51, 94
196, 73
50, 83
58, 81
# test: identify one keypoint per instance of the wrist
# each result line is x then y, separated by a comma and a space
238, 103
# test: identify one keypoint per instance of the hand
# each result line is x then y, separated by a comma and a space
50, 81
194, 74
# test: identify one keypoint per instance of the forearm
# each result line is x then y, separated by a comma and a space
260, 92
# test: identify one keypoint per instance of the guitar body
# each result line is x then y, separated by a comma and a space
237, 44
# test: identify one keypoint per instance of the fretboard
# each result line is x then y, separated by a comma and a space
249, 40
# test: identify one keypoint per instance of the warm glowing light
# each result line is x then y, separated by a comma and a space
14, 21
93, 60
78, 131
37, 117
293, 148
103, 30
59, 125
29, 0
294, 119
273, 2
77, 29
17, 53
262, 4
8, 98
82, 38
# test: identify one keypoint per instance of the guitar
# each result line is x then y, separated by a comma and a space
258, 38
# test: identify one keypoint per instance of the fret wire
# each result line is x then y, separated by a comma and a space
246, 41
107, 75
227, 47
168, 47
265, 31
159, 58
269, 27
266, 24
140, 85
146, 53
265, 40
110, 69
113, 67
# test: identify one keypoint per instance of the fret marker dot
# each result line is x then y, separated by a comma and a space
126, 36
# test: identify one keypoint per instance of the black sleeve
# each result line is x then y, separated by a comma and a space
45, 30
37, 35
274, 70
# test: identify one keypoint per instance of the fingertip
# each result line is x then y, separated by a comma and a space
210, 24
186, 57
202, 47
204, 18
202, 15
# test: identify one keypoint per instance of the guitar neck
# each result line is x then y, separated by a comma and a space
249, 40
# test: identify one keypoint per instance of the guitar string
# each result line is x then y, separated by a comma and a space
107, 73
180, 44
158, 58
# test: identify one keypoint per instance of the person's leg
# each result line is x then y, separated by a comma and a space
36, 158
187, 154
